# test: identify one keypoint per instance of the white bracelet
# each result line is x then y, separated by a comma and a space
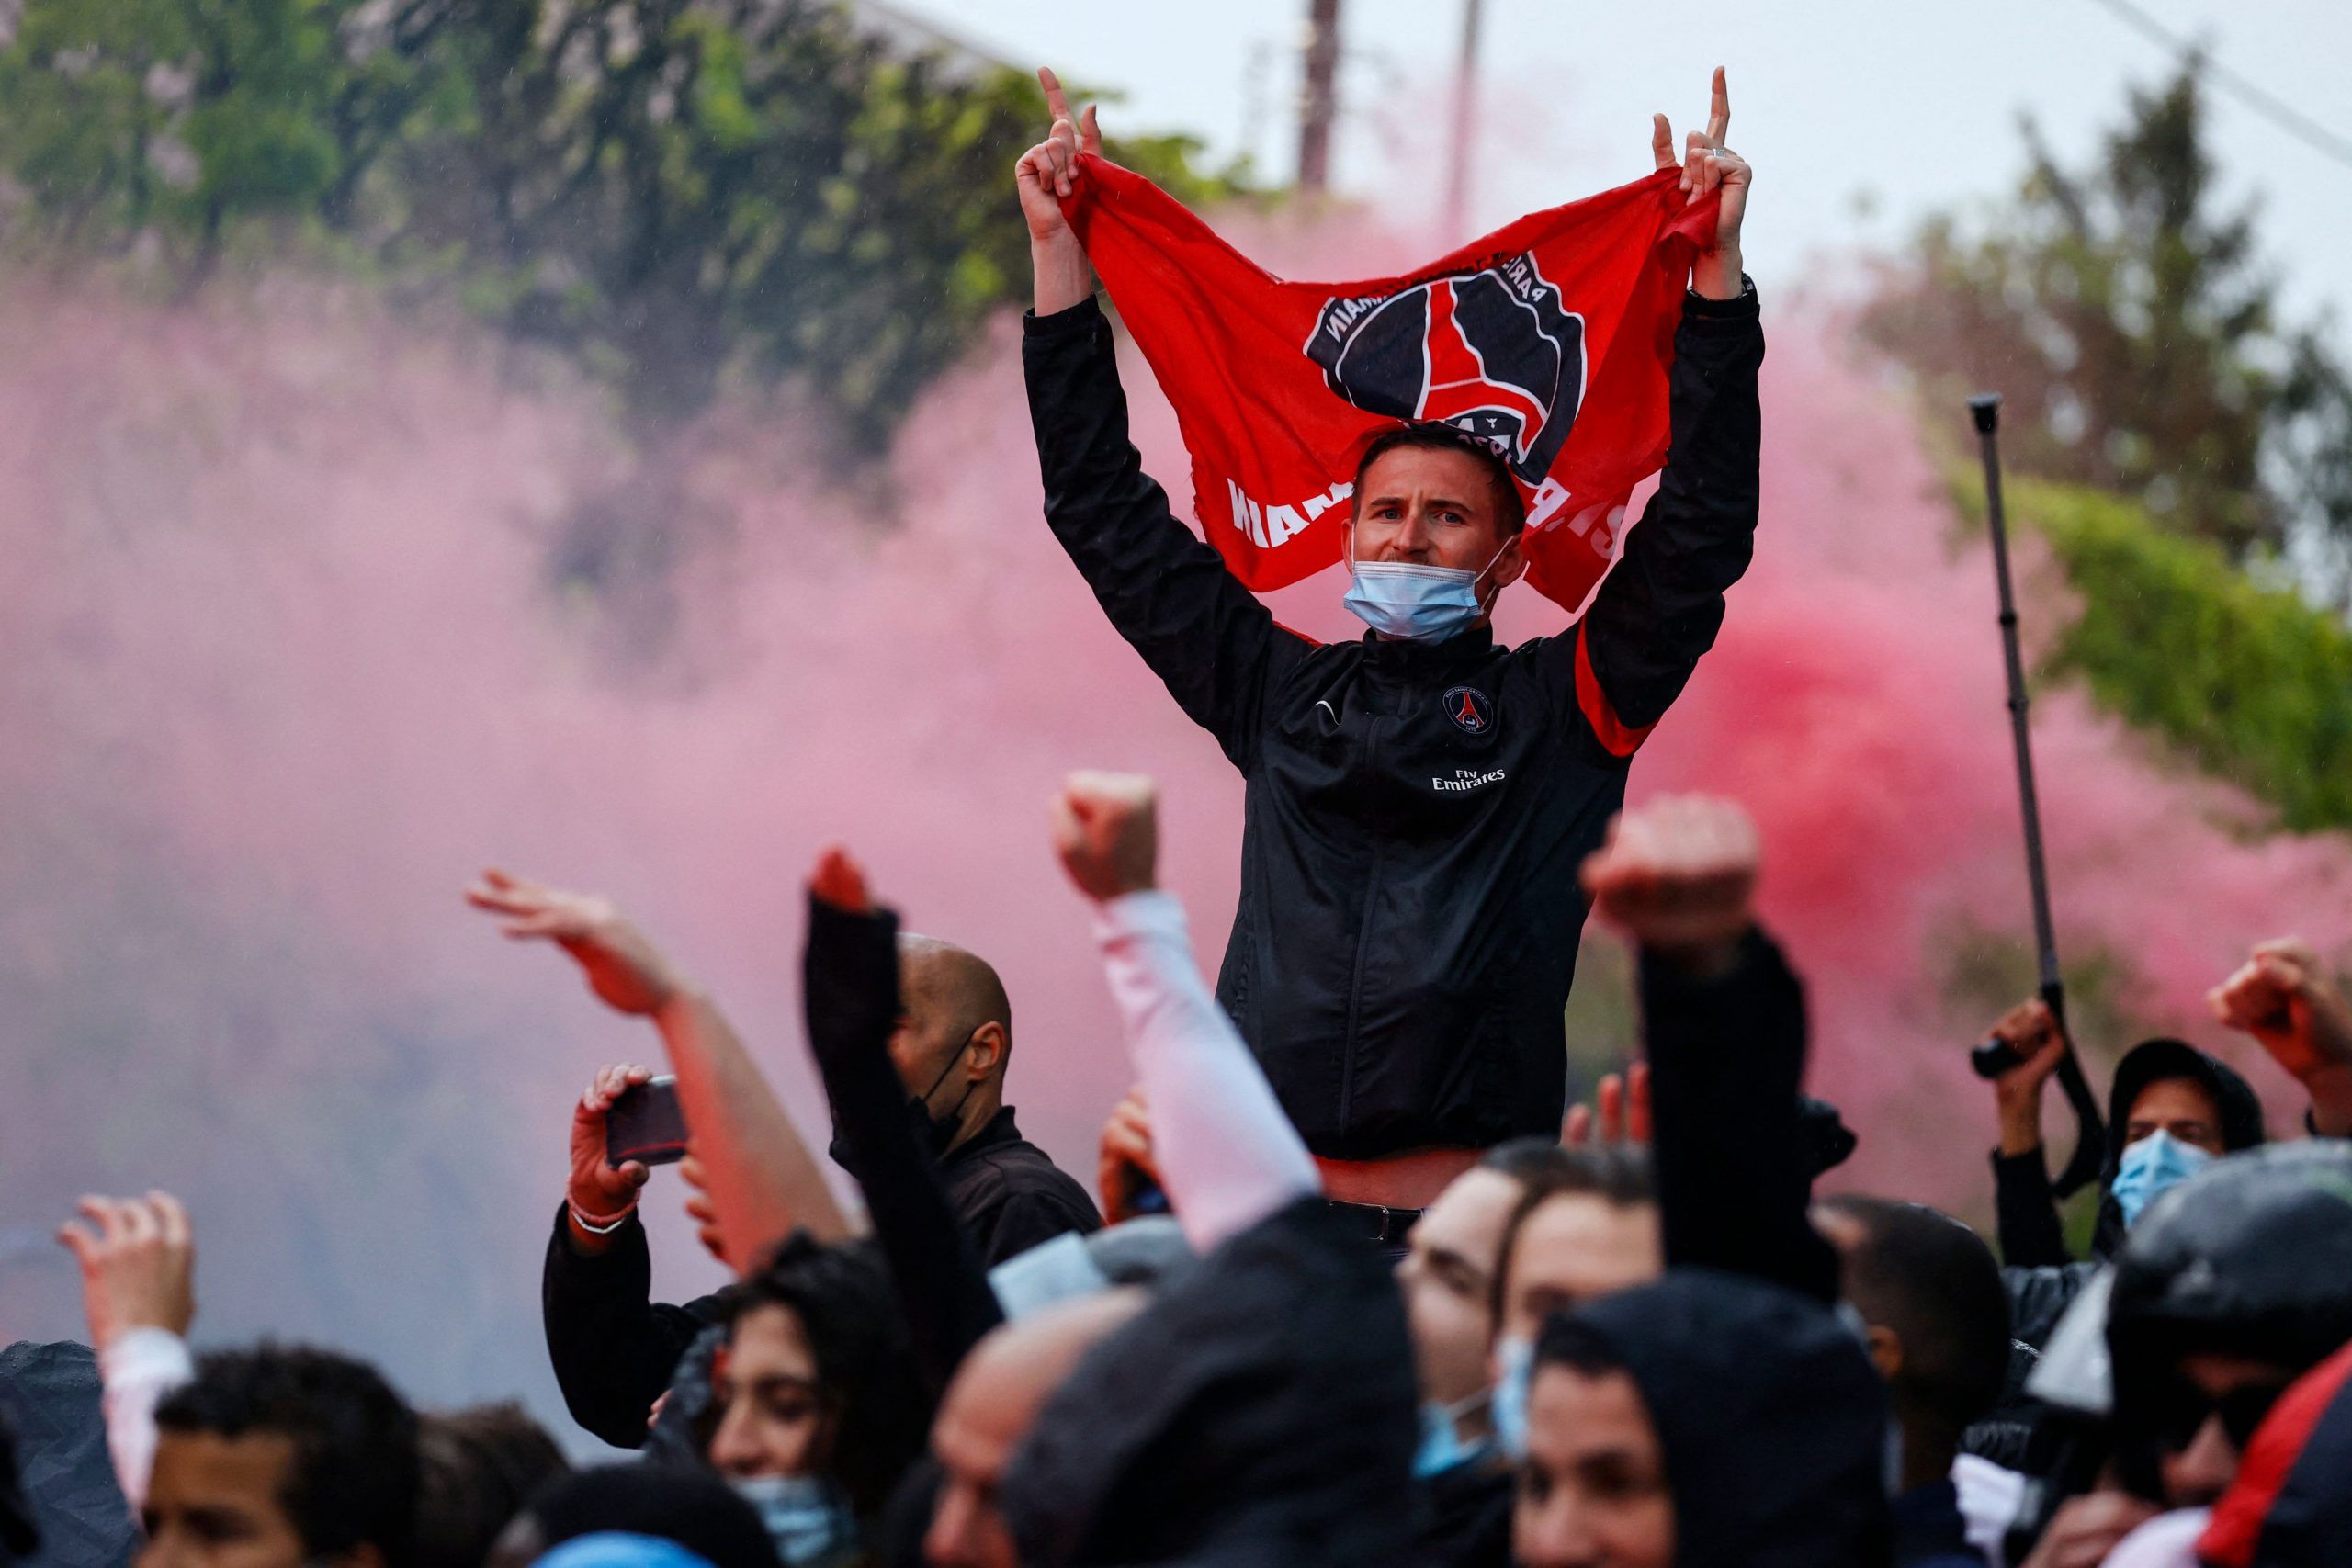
593, 1227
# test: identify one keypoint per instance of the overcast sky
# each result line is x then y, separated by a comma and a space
1858, 114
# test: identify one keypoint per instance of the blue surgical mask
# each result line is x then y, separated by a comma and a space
1421, 603
2151, 1167
804, 1518
1514, 1364
1441, 1446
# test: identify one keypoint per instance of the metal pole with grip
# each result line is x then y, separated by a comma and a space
1993, 1058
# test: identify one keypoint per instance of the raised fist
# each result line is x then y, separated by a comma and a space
2284, 998
1678, 875
1107, 828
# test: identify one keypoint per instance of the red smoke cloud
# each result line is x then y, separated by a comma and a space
283, 662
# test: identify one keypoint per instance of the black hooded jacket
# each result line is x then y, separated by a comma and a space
1772, 1420
1414, 814
1261, 1410
2042, 1278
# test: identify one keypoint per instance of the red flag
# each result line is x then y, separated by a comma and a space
1550, 337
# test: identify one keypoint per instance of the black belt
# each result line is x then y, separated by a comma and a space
1380, 1226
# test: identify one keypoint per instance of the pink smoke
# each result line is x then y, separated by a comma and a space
282, 664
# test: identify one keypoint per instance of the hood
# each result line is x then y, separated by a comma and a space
2152, 1061
2291, 1506
1773, 1423
1262, 1409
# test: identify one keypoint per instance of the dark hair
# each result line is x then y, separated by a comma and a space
1433, 435
476, 1469
1933, 1281
669, 1502
354, 1480
866, 1376
1618, 1174
1568, 1341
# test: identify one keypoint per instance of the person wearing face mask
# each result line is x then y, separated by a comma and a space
951, 1049
1417, 802
2232, 1286
809, 1405
2172, 1111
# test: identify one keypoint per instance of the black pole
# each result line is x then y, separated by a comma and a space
1993, 1059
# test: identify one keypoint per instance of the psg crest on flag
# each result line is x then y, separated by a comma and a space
1494, 351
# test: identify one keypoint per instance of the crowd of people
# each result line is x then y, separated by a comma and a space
1356, 1284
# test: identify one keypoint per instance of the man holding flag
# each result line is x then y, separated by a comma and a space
1418, 802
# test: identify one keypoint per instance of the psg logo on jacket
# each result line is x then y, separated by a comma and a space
1492, 352
1468, 708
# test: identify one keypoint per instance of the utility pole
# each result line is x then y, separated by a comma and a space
1459, 156
1318, 100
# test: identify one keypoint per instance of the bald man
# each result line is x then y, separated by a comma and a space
988, 1410
951, 1050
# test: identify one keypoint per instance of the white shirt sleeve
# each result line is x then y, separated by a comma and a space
1227, 1155
137, 1371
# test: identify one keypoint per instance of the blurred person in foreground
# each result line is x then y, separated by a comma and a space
475, 1467
1929, 1294
1721, 1412
2232, 1287
1403, 949
282, 1457
613, 1504
808, 1401
613, 1348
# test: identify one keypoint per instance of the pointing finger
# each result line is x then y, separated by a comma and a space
1057, 100
1719, 110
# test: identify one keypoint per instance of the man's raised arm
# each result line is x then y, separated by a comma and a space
1661, 604
1225, 1153
1205, 637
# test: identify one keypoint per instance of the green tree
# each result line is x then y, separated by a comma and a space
677, 192
126, 116
2135, 333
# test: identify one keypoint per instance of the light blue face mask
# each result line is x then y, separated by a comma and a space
1420, 603
1515, 1363
2151, 1167
804, 1518
1441, 1446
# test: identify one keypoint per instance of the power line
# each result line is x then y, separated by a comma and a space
2253, 95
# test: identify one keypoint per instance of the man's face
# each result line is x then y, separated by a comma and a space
1572, 1248
773, 1419
2178, 1106
979, 1428
1592, 1491
925, 1041
2197, 1453
1447, 1275
213, 1501
1427, 506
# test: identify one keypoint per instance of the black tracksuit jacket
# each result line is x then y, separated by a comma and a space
1409, 907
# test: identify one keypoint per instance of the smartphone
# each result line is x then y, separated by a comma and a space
645, 1125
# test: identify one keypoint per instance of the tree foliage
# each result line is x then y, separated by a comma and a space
2253, 684
678, 192
2135, 335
